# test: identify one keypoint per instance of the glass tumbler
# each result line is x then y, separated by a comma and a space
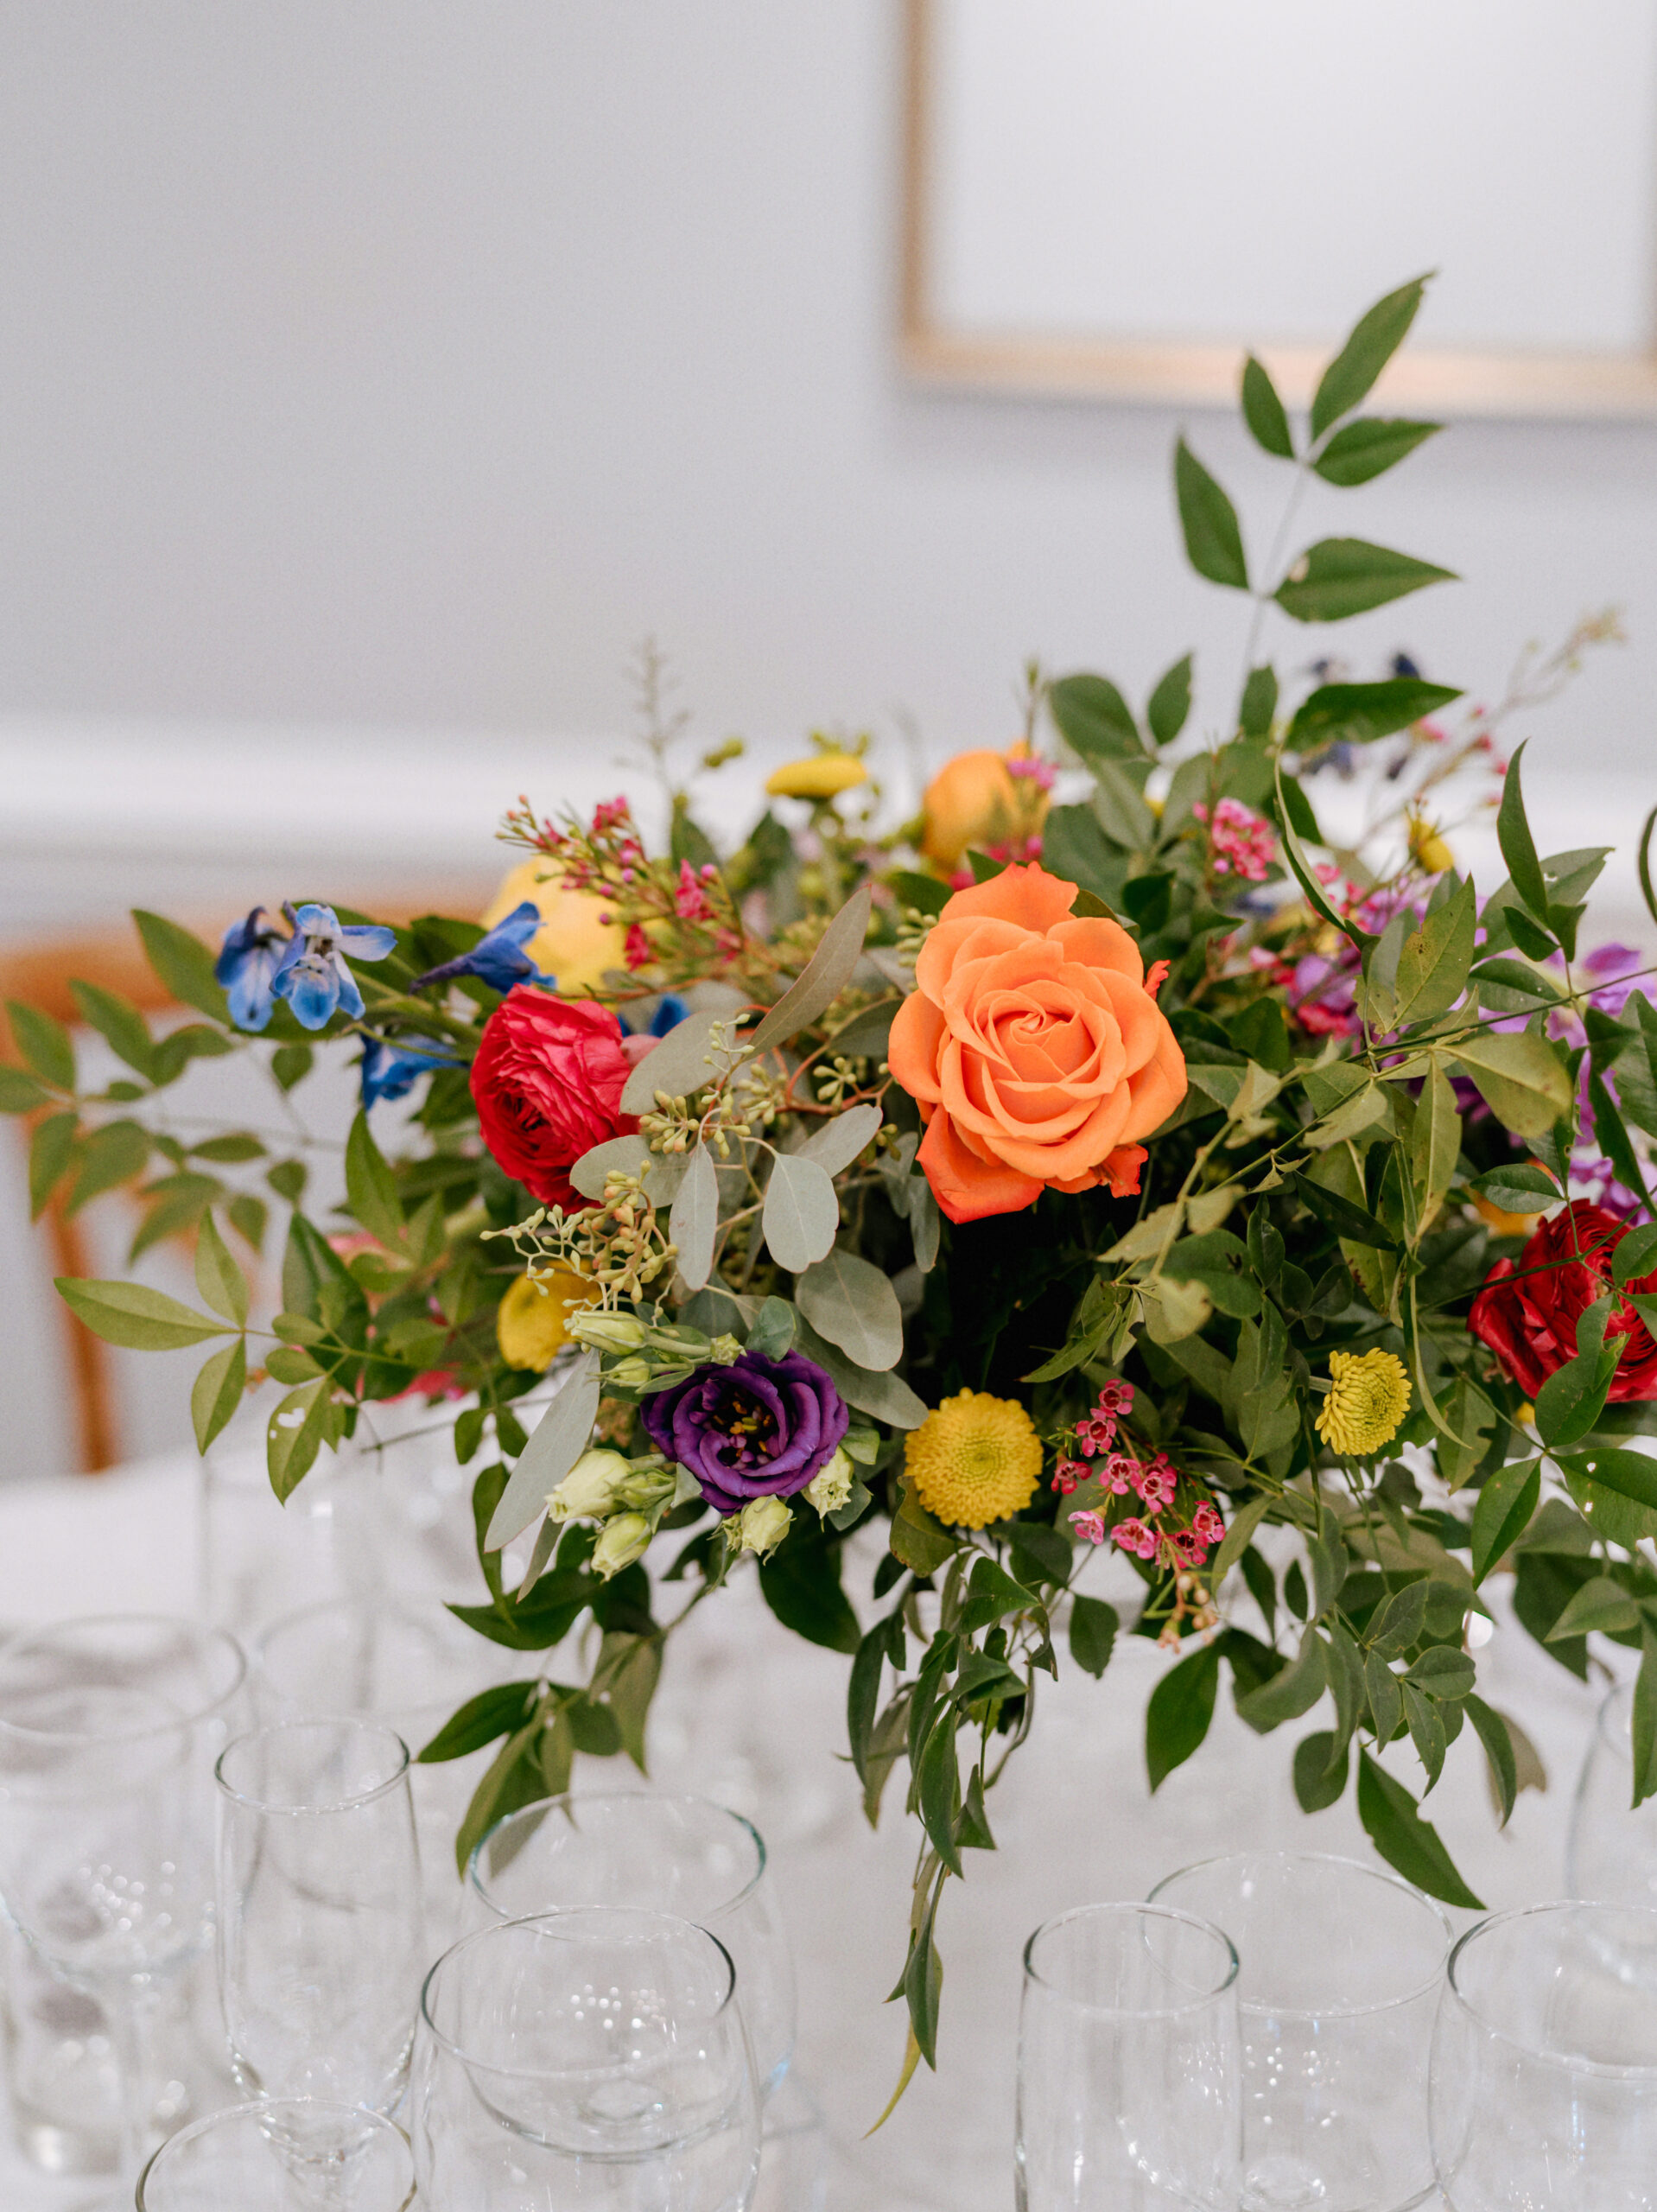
109, 1727
320, 1949
1340, 1971
290, 2155
1128, 2065
1611, 1855
1544, 2079
584, 2060
679, 1855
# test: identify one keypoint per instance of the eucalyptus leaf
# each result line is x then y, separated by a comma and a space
801, 1215
852, 1303
616, 1156
694, 1222
825, 975
559, 1438
837, 1143
680, 1066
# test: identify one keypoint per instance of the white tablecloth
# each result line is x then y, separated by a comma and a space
748, 1713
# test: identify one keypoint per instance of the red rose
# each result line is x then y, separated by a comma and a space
1527, 1315
548, 1082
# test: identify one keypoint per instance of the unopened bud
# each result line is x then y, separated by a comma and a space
831, 1486
631, 1374
762, 1524
623, 1540
724, 1351
588, 1490
607, 1331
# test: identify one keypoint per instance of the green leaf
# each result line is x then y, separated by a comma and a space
220, 1281
920, 1542
1518, 847
1369, 447
288, 1179
370, 1187
1635, 1256
937, 1788
1375, 338
1169, 703
1308, 884
1180, 1708
1442, 1672
801, 1213
1644, 859
1093, 1634
853, 1304
291, 1064
294, 1435
837, 1143
863, 1694
114, 1154
44, 1043
1321, 1769
1094, 719
1503, 1513
1521, 1189
514, 1778
885, 1395
119, 1023
1351, 1223
1521, 1078
1213, 542
1600, 1604
992, 1595
19, 1092
217, 1391
924, 1988
1435, 1145
800, 1583
824, 976
1392, 1819
773, 1333
1497, 1739
1264, 413
183, 963
1386, 1698
134, 1315
924, 893
1259, 702
1290, 1692
1433, 963
1358, 714
1401, 1622
1427, 1733
1616, 1492
1238, 1537
492, 1713
1643, 1735
1340, 577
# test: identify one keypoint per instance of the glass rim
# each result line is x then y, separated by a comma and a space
1593, 2068
551, 1923
203, 1633
566, 1799
1381, 1874
262, 2109
1140, 1910
353, 1801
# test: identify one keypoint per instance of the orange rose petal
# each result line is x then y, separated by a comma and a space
952, 941
912, 1053
965, 1187
1095, 941
1027, 894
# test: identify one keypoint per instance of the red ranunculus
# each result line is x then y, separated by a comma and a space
1528, 1314
548, 1082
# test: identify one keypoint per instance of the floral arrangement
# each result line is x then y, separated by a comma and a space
1113, 1160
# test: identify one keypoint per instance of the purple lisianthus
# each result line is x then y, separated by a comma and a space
758, 1428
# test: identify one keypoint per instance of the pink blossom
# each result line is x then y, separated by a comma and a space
1135, 1537
1189, 1548
637, 950
1089, 1525
1208, 1524
1040, 772
689, 900
1069, 1473
1156, 1485
1239, 839
1115, 1401
1119, 1472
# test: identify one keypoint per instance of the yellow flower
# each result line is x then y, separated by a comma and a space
821, 776
572, 945
1369, 1396
973, 1459
533, 1323
1427, 848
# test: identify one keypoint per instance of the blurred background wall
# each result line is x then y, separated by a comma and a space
373, 379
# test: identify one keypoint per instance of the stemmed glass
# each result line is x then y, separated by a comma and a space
287, 2155
1611, 1855
1341, 1969
584, 2060
1128, 2065
1544, 2077
320, 1942
679, 1855
108, 1731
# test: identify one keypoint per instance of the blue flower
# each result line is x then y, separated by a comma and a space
392, 1070
312, 975
671, 1012
246, 966
498, 959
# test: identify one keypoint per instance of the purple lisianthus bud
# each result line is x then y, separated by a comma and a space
758, 1428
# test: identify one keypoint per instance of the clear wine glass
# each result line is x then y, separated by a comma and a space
285, 2155
1129, 2064
584, 2060
1612, 1853
320, 1947
109, 1727
679, 1855
1341, 1969
1544, 2075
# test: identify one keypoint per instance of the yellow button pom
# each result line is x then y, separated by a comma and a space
974, 1459
533, 1323
821, 776
1369, 1397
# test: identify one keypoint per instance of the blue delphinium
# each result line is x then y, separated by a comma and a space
392, 1070
671, 1012
497, 959
246, 966
312, 975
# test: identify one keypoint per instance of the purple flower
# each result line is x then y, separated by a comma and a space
758, 1428
1618, 965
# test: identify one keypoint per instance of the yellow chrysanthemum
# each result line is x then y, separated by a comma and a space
821, 776
533, 1323
973, 1459
1369, 1396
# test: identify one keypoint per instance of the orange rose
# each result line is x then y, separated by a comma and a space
974, 800
1034, 1047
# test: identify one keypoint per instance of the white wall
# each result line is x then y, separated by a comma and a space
393, 369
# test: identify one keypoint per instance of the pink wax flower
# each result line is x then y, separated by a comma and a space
1089, 1525
1135, 1537
1119, 1472
1207, 1523
1068, 1474
1240, 842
